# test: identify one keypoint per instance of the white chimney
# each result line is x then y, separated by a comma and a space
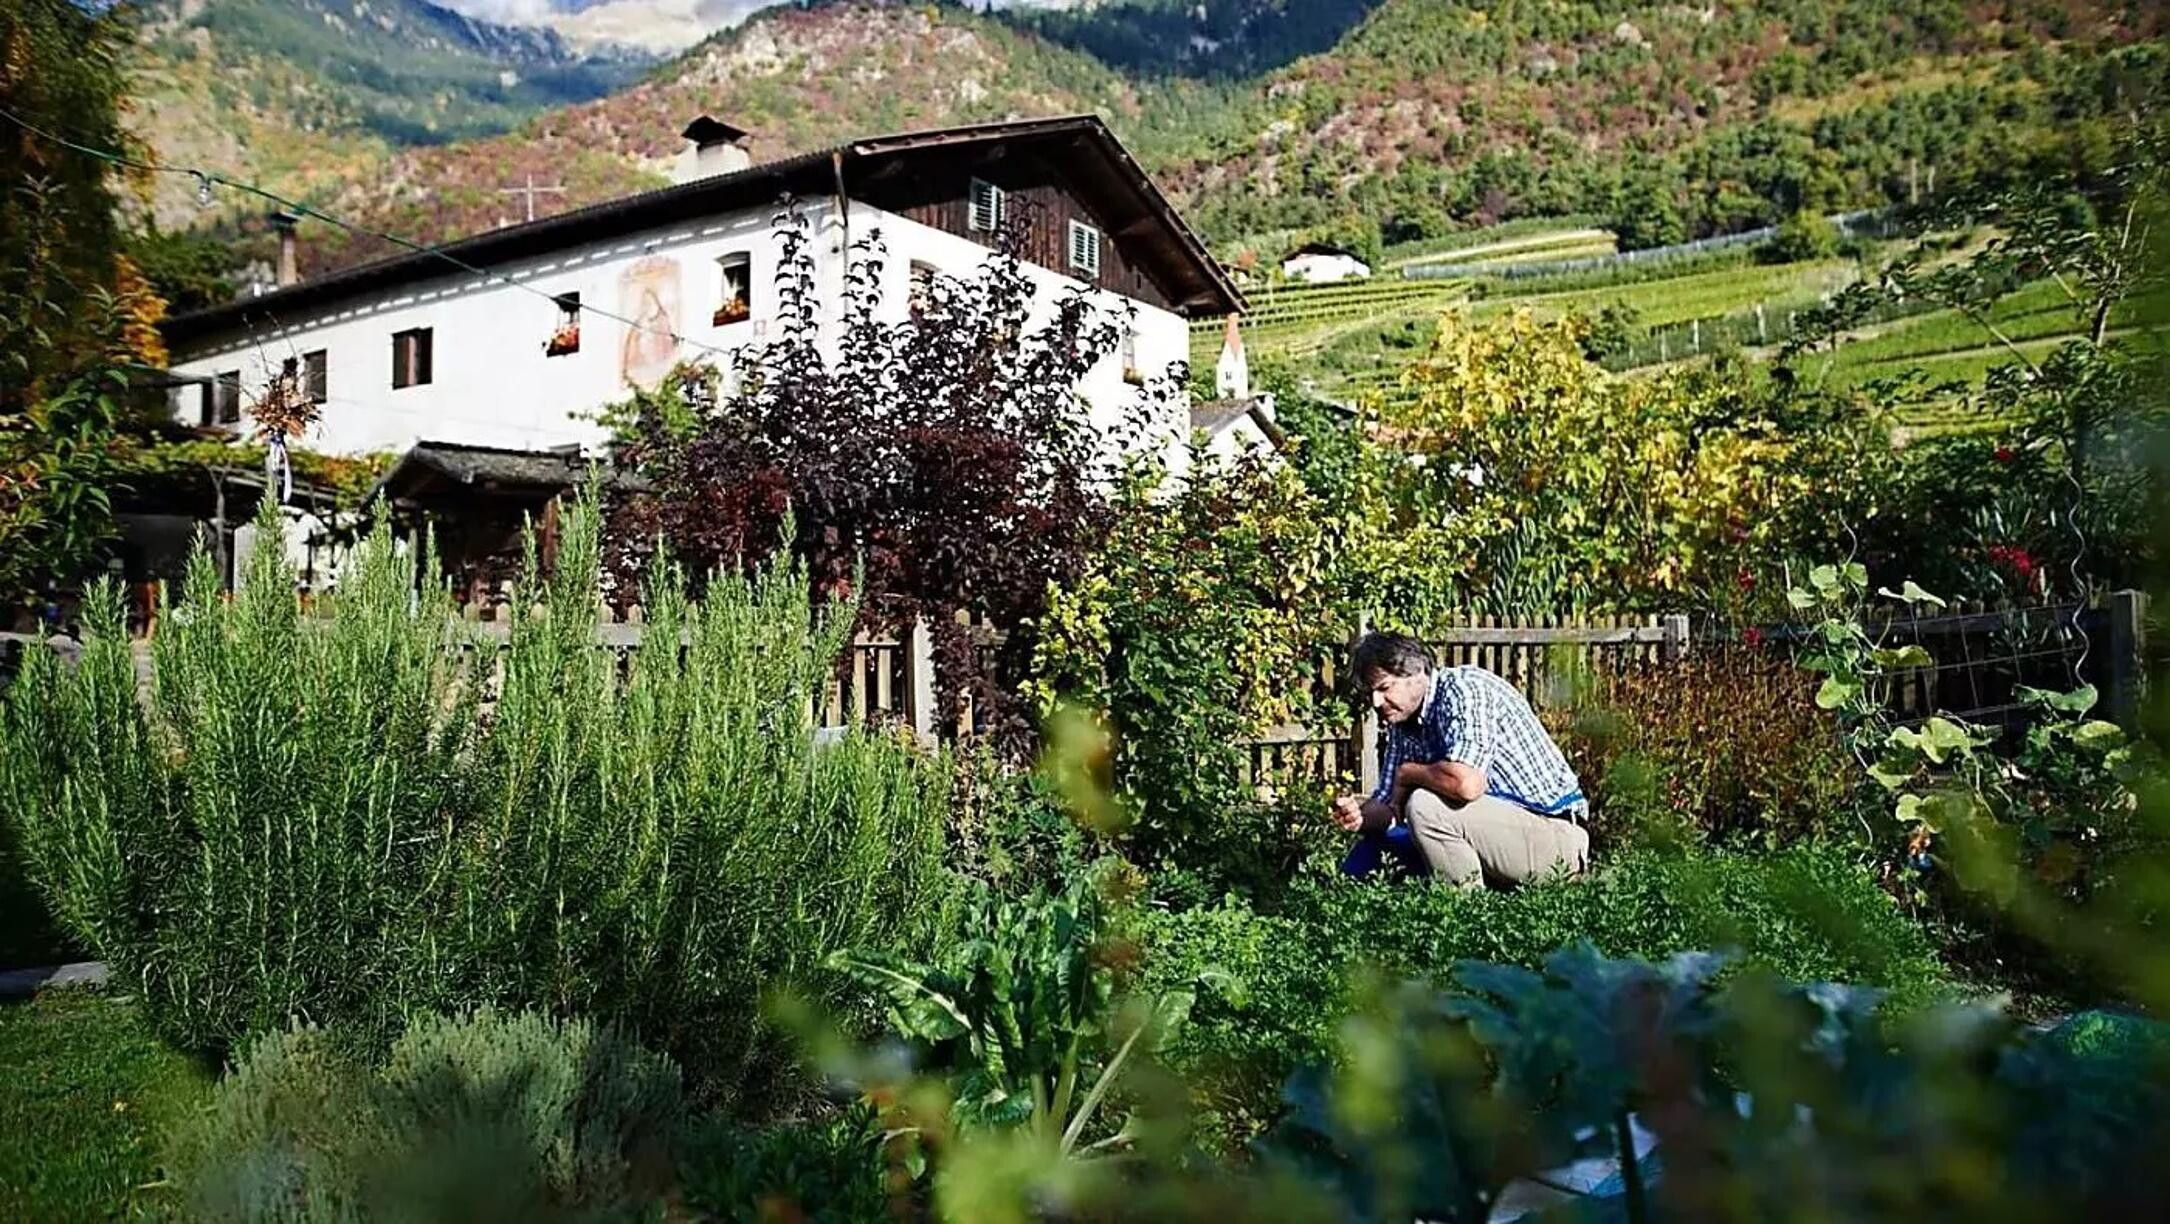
1232, 375
712, 148
289, 261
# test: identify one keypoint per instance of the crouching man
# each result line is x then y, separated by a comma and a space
1470, 786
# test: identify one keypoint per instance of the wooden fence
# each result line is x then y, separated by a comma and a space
1982, 655
1534, 657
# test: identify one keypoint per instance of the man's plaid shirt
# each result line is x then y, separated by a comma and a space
1477, 719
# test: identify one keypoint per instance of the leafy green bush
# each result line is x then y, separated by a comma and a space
820, 1172
1725, 744
482, 1116
1802, 236
1202, 614
1806, 913
316, 817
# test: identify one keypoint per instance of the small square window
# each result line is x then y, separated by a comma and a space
735, 280
565, 336
986, 205
1084, 250
411, 358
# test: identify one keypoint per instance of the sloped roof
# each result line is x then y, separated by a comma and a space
430, 467
1213, 416
1199, 286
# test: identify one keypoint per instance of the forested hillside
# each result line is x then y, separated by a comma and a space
312, 92
1226, 39
797, 79
1680, 120
1419, 118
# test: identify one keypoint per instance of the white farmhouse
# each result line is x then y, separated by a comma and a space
1318, 263
414, 352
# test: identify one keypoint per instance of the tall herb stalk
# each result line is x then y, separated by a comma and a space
354, 812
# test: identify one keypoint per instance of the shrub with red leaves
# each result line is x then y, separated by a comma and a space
935, 467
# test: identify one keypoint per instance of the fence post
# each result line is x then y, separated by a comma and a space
2128, 654
1675, 646
1367, 723
919, 677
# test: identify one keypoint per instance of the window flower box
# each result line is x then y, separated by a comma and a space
733, 310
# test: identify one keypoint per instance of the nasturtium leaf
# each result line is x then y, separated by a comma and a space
1903, 657
1908, 810
1892, 771
2098, 734
2078, 701
1911, 593
1836, 692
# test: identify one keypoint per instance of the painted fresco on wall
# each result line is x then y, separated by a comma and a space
648, 294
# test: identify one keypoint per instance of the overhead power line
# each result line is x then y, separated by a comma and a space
206, 178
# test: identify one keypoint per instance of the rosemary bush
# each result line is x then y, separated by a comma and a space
369, 809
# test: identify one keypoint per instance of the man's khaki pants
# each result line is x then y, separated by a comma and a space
1492, 837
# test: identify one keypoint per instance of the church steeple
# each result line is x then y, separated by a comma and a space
1232, 374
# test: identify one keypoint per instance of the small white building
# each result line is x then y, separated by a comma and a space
1318, 263
413, 350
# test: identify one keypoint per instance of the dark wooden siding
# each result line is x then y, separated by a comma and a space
1038, 192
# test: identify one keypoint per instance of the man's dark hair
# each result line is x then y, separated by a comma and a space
1388, 654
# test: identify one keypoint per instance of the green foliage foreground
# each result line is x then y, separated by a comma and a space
485, 1116
1290, 977
367, 810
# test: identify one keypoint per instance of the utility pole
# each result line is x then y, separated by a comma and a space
530, 191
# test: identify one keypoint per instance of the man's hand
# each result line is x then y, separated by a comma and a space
1348, 812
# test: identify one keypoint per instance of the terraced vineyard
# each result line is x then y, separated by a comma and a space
1357, 338
1522, 248
1292, 321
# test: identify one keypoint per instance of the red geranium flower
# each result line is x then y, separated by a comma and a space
2005, 454
1753, 636
2013, 557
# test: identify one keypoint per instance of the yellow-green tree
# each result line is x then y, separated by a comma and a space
1532, 472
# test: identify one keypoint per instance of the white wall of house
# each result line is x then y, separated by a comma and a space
1324, 269
491, 383
1161, 337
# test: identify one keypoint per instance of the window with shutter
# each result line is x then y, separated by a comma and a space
986, 206
1084, 250
226, 399
411, 358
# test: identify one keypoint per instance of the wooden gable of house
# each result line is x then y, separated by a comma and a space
1044, 193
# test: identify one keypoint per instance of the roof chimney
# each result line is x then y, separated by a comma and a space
289, 265
713, 147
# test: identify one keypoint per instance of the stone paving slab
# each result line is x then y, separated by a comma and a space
23, 983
